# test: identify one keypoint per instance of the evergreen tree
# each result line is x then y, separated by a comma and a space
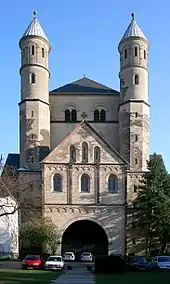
154, 200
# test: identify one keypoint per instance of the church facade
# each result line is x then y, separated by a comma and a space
84, 146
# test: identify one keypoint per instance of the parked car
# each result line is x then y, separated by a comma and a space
69, 256
86, 256
161, 263
54, 262
138, 263
33, 262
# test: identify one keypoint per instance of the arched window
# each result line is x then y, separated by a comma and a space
84, 152
67, 115
73, 115
72, 154
136, 137
135, 188
85, 183
32, 78
43, 52
144, 54
136, 79
112, 183
102, 115
32, 50
96, 115
125, 53
23, 51
96, 154
136, 51
57, 183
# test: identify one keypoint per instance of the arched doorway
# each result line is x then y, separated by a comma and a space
85, 235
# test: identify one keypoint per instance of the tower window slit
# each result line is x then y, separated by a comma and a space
136, 79
32, 50
125, 53
144, 54
43, 53
32, 78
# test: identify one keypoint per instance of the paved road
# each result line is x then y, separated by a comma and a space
10, 265
78, 275
17, 265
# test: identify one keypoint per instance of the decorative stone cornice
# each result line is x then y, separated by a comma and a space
82, 209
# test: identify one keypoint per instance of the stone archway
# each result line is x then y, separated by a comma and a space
85, 235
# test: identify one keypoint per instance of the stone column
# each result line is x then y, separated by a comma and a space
97, 184
69, 184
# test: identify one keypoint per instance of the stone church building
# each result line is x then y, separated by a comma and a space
84, 146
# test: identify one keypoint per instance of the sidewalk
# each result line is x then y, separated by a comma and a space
75, 276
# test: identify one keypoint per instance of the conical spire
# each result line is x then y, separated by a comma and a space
35, 29
133, 30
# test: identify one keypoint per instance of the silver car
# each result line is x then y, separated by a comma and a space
161, 262
86, 256
54, 262
69, 256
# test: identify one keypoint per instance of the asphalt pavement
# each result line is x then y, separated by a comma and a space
17, 264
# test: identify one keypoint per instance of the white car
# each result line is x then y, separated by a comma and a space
54, 262
86, 256
69, 256
161, 263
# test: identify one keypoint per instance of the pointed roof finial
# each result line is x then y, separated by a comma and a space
35, 13
133, 30
34, 28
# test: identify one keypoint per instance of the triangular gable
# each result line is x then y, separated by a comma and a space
84, 86
60, 153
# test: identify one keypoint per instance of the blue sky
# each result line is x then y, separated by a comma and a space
84, 36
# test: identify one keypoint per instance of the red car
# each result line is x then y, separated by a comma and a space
33, 262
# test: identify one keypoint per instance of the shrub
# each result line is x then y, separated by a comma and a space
110, 264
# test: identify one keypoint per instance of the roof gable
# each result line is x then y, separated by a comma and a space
84, 86
84, 132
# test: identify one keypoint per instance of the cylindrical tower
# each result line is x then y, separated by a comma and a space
34, 105
134, 107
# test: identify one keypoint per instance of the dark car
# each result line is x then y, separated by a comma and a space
138, 263
33, 262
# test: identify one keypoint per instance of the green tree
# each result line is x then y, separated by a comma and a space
154, 199
40, 232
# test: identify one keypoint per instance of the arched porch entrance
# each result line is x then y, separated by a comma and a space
85, 235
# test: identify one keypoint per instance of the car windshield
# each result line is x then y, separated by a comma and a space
164, 259
138, 259
32, 257
86, 253
68, 253
54, 258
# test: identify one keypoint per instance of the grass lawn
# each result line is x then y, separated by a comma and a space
135, 278
18, 276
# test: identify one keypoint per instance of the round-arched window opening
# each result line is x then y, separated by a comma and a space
96, 115
136, 79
